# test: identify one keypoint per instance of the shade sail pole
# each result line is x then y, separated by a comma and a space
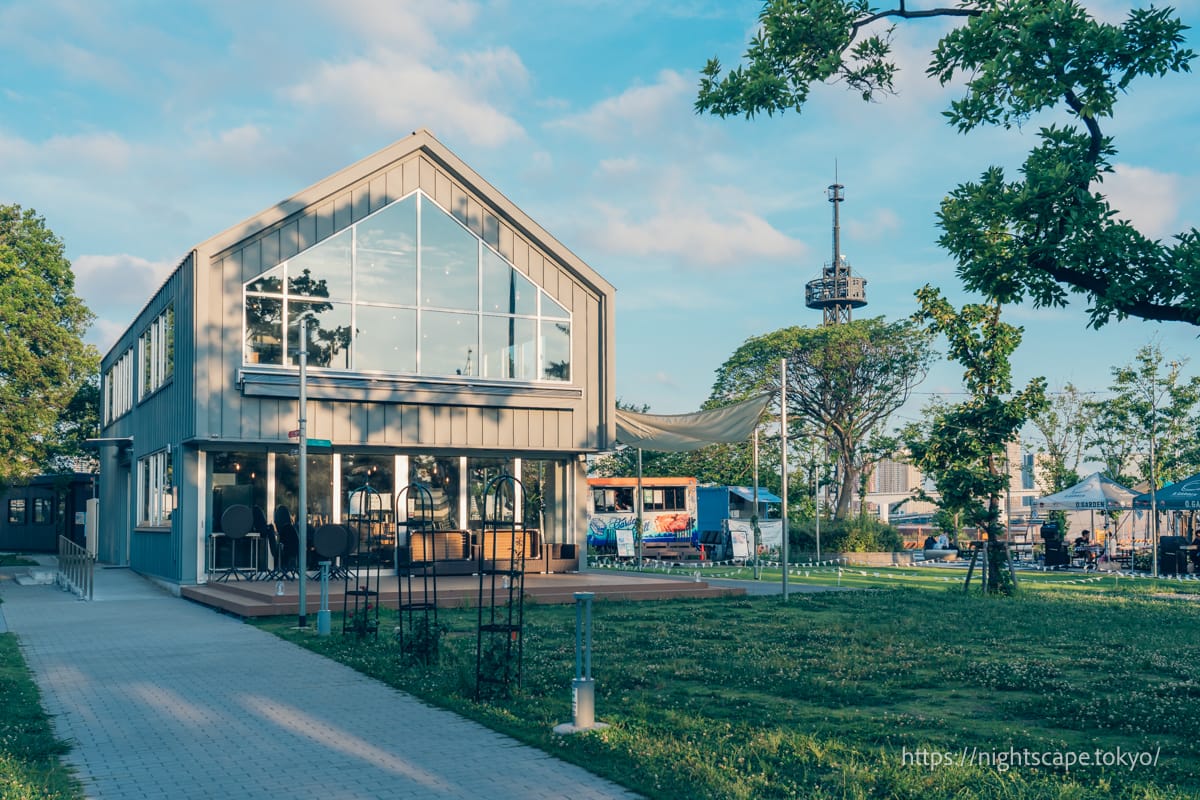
783, 470
638, 506
755, 518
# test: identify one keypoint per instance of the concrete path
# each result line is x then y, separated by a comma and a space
162, 698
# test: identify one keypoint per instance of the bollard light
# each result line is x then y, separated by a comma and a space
583, 688
323, 621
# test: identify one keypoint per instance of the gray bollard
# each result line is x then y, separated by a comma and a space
323, 622
583, 688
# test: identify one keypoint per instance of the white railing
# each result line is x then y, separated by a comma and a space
76, 568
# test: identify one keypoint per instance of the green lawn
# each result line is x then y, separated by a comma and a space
853, 694
30, 756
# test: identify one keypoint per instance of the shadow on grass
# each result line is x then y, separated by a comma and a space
849, 694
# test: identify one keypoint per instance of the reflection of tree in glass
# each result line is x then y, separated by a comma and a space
560, 370
323, 343
326, 344
263, 318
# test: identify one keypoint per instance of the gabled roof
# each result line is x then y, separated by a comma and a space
421, 140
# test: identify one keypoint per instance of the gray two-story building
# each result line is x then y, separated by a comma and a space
450, 339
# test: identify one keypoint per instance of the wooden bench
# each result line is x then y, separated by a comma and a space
449, 550
502, 550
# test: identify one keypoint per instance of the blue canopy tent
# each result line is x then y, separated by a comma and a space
1181, 496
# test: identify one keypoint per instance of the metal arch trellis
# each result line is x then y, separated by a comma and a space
416, 558
362, 565
499, 644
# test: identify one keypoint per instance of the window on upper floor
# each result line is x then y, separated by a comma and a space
118, 387
156, 353
408, 290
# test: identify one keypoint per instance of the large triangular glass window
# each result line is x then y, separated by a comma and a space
408, 290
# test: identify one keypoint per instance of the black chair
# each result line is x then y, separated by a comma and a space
236, 522
289, 544
267, 532
333, 542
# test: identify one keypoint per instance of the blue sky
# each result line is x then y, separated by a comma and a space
140, 129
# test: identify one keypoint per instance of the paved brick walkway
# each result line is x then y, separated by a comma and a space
162, 698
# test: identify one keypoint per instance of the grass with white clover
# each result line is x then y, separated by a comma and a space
31, 763
847, 694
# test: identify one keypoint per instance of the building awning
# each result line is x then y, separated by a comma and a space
747, 494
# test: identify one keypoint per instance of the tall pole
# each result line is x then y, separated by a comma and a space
754, 519
638, 505
1153, 489
817, 500
302, 512
783, 470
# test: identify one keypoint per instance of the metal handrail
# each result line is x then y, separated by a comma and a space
76, 568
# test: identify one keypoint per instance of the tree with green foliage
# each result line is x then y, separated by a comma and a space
1043, 236
44, 362
962, 447
1063, 425
843, 382
1152, 411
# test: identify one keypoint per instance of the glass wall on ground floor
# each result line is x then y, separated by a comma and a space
359, 488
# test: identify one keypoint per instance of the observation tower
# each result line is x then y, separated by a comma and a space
838, 290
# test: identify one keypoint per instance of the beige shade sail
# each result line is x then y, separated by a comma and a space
677, 433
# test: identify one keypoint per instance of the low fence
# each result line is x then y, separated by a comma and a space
76, 568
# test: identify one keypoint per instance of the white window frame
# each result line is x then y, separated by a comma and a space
155, 492
118, 387
156, 361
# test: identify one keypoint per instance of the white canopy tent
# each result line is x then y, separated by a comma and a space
1096, 492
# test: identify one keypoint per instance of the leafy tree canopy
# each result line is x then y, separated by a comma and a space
43, 361
1153, 407
843, 382
961, 447
1047, 234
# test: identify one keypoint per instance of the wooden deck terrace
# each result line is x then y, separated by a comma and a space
246, 598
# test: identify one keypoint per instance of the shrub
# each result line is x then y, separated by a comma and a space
854, 535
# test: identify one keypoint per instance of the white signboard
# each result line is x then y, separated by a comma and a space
625, 542
741, 542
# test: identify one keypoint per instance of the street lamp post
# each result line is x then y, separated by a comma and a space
783, 470
302, 511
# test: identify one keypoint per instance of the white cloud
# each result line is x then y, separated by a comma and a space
115, 287
618, 167
399, 95
109, 281
1147, 198
881, 223
693, 238
105, 151
240, 146
637, 111
411, 25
